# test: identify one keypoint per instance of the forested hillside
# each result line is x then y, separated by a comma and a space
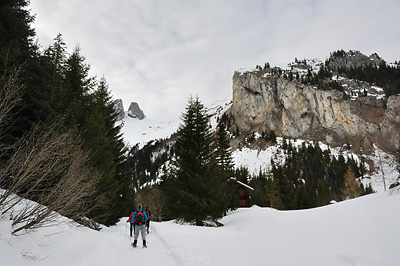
57, 92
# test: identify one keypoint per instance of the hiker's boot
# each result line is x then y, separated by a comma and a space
134, 243
144, 244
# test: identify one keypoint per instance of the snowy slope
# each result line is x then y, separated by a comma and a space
139, 132
385, 164
362, 231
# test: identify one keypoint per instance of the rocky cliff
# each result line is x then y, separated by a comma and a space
119, 109
352, 59
264, 102
134, 111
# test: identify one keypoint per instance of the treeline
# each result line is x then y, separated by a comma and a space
145, 163
322, 80
56, 88
385, 76
310, 177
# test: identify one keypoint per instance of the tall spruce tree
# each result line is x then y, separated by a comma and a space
224, 150
195, 190
17, 54
226, 165
103, 135
16, 35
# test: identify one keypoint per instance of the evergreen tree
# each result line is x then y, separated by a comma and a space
53, 62
44, 98
225, 163
258, 183
273, 193
195, 191
76, 90
16, 35
17, 54
224, 150
104, 137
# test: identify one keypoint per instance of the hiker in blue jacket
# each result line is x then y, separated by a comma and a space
139, 220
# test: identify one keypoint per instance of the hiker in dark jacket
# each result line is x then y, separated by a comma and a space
139, 220
148, 221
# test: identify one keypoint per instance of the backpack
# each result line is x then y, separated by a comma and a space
139, 218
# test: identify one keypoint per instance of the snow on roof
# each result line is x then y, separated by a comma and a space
243, 184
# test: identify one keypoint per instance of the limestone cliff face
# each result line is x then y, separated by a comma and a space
293, 110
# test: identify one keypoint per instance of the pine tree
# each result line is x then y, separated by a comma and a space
55, 58
16, 35
104, 137
194, 190
76, 90
17, 54
44, 98
224, 150
273, 193
226, 165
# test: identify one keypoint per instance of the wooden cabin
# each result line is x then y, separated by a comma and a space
244, 194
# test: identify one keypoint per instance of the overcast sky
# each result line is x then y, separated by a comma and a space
159, 52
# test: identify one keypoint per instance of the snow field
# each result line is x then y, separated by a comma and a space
362, 231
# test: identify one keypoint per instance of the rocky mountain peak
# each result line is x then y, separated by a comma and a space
119, 109
134, 111
352, 59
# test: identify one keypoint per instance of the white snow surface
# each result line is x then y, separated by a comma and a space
363, 231
135, 131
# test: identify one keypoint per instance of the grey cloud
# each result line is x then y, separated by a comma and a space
158, 52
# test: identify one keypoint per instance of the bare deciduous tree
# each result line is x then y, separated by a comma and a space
47, 165
67, 191
154, 198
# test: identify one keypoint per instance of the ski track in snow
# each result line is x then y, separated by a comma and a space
160, 243
157, 252
362, 231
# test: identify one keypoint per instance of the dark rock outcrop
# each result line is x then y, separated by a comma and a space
134, 111
119, 108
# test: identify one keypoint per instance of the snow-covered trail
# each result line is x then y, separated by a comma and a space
363, 231
114, 245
